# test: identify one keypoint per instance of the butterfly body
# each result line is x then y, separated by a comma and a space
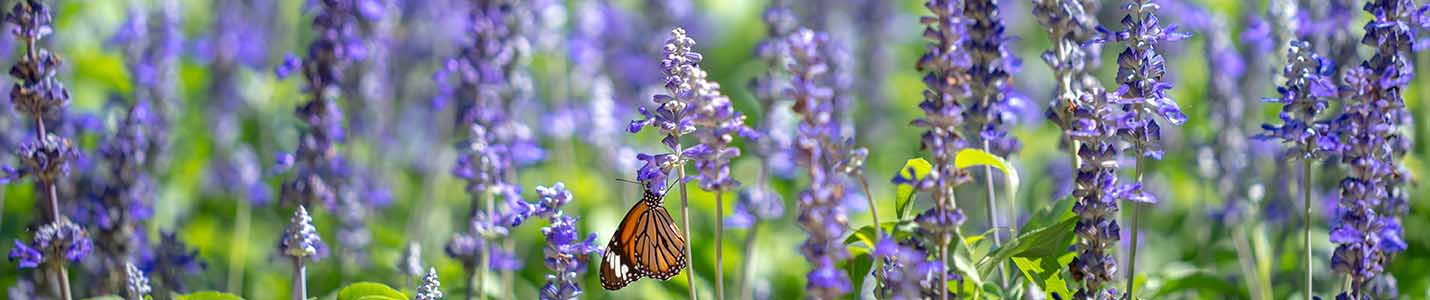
645, 244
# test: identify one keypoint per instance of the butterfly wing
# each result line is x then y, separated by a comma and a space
646, 243
662, 248
618, 266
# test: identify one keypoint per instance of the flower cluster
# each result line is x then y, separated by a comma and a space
430, 289
319, 169
1372, 197
53, 242
906, 273
821, 211
1309, 85
237, 42
300, 239
152, 42
1141, 70
776, 138
136, 285
1097, 193
40, 96
172, 261
944, 64
120, 198
991, 101
1070, 26
693, 104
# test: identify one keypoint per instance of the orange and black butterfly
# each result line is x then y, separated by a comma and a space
646, 244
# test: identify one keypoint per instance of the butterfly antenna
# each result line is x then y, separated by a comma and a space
627, 181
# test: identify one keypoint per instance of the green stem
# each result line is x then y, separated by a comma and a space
236, 258
873, 208
471, 280
1306, 224
1132, 250
685, 219
719, 246
993, 216
746, 292
300, 280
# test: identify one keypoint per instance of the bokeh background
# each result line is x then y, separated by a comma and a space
1195, 244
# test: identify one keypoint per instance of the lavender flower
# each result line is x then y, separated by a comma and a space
38, 95
120, 197
61, 240
990, 70
410, 263
821, 211
151, 42
173, 261
1142, 94
136, 285
1097, 193
1304, 96
1142, 89
431, 289
300, 242
945, 63
906, 273
1372, 196
300, 239
320, 171
1070, 25
566, 256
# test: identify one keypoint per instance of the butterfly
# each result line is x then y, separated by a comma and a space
646, 244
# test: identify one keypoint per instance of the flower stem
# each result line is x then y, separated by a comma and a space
1132, 249
685, 219
746, 292
471, 281
719, 245
300, 279
1306, 224
243, 214
993, 216
873, 209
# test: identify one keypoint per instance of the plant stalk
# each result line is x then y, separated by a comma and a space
720, 245
1306, 224
300, 279
243, 215
1132, 249
685, 219
747, 292
993, 216
873, 209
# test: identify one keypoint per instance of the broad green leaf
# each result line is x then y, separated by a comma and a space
974, 157
858, 266
369, 290
1046, 272
1059, 210
963, 263
913, 168
209, 295
1037, 242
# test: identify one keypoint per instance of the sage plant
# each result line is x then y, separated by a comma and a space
300, 243
1304, 96
761, 203
1368, 232
37, 94
1142, 94
691, 105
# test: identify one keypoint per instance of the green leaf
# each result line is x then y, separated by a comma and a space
369, 291
1046, 272
209, 295
858, 266
867, 235
974, 157
913, 168
1060, 209
1038, 242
